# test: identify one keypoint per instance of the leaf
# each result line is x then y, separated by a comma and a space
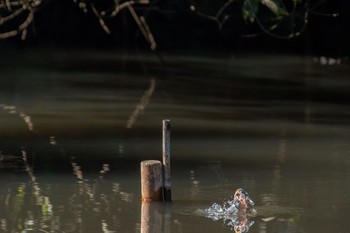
250, 9
275, 7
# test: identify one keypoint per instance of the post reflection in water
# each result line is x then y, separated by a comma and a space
155, 217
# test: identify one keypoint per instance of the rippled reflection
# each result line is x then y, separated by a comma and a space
141, 106
14, 110
62, 206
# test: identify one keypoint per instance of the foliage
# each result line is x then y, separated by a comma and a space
250, 9
268, 15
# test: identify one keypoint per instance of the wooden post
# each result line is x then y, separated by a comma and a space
151, 180
166, 161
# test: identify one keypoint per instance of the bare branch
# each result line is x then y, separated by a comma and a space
140, 20
23, 26
150, 37
119, 7
20, 14
222, 9
100, 20
218, 16
11, 16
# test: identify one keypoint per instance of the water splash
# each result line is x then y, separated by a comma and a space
219, 211
235, 215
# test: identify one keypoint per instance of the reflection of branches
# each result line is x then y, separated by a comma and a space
86, 188
20, 13
113, 11
40, 198
88, 195
140, 107
25, 117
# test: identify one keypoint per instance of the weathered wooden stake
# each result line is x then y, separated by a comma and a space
166, 161
151, 180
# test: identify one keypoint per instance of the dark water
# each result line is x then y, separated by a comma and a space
278, 126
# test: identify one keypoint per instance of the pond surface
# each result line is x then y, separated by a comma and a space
75, 126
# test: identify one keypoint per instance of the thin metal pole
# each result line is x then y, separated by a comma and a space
166, 161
